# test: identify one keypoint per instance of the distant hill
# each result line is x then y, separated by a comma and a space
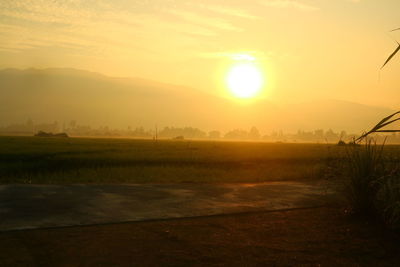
47, 95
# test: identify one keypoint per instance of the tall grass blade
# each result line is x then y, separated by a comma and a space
377, 128
390, 122
388, 131
388, 117
391, 56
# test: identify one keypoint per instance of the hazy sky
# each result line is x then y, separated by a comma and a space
306, 48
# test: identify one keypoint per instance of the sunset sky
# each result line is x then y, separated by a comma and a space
305, 49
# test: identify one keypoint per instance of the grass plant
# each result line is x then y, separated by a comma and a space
388, 199
373, 184
365, 168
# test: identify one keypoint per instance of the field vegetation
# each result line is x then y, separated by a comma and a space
84, 160
373, 182
373, 177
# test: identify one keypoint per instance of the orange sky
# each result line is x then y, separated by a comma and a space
307, 49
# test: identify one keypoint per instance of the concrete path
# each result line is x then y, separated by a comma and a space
40, 206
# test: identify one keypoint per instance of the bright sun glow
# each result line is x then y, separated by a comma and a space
244, 80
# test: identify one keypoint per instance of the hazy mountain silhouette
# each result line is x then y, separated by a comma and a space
91, 98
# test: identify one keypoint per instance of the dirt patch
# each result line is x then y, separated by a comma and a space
319, 236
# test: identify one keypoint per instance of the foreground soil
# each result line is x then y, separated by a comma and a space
324, 236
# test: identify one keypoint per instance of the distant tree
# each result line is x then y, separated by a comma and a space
72, 124
254, 134
214, 135
319, 133
187, 132
237, 134
331, 135
29, 125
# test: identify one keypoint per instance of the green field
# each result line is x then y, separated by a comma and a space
84, 160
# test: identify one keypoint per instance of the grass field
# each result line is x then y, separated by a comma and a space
90, 160
84, 160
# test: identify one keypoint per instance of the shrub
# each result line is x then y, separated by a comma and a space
373, 184
388, 199
365, 167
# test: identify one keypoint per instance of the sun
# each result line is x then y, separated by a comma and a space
245, 80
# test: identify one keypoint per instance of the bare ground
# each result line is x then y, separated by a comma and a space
324, 236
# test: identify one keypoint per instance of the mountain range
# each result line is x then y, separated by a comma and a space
57, 94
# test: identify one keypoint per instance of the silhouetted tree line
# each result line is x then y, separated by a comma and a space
74, 129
